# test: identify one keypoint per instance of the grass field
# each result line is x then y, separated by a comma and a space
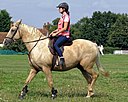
71, 85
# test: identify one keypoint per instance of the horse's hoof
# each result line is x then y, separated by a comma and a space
23, 93
54, 93
87, 96
21, 97
90, 95
54, 96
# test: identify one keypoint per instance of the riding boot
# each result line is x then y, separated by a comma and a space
62, 63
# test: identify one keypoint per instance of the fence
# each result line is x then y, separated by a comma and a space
11, 52
120, 52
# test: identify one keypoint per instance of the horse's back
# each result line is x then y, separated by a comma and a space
84, 45
79, 50
85, 42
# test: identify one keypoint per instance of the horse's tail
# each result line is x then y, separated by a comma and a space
99, 66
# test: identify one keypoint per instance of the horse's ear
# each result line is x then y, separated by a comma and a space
11, 24
19, 21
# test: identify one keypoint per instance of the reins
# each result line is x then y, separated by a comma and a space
34, 47
37, 40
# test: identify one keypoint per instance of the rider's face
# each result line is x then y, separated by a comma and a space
61, 10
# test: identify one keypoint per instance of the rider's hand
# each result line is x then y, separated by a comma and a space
50, 35
54, 34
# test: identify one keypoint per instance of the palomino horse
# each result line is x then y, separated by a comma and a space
82, 54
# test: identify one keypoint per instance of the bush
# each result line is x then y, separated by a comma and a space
110, 50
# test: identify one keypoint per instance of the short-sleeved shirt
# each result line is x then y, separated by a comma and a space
65, 18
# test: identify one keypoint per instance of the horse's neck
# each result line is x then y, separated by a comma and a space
30, 35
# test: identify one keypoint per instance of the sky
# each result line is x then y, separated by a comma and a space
38, 12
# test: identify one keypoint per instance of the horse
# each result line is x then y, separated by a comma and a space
82, 54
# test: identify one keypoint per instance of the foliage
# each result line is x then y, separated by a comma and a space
96, 28
5, 21
110, 50
105, 28
53, 26
118, 35
17, 46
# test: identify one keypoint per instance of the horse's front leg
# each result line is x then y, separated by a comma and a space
48, 74
31, 75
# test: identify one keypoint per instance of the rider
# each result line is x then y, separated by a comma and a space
63, 30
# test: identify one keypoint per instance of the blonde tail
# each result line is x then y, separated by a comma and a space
99, 66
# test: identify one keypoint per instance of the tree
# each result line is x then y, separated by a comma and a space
96, 28
5, 21
17, 46
54, 24
100, 24
118, 36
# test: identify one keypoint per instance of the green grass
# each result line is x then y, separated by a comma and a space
71, 85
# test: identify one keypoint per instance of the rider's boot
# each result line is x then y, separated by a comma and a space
62, 63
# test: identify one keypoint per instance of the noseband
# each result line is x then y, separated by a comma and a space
17, 27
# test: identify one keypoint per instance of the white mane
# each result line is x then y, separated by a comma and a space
30, 29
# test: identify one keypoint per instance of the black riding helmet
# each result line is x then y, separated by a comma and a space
63, 5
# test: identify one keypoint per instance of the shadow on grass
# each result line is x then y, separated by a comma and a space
47, 94
99, 95
80, 94
39, 93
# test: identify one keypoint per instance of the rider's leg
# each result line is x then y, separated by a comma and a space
59, 42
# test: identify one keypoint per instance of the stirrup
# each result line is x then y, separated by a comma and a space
62, 63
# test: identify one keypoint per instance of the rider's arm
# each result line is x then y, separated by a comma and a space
55, 31
64, 28
60, 31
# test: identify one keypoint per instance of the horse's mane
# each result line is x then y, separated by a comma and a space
32, 30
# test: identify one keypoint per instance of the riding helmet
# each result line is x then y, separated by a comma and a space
63, 5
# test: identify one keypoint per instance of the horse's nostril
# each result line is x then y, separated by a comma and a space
6, 42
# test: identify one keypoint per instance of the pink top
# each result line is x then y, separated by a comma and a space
65, 18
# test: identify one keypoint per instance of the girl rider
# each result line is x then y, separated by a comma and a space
63, 31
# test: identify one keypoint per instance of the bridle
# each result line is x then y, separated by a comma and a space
14, 33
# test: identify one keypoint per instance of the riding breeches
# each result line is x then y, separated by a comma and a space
59, 42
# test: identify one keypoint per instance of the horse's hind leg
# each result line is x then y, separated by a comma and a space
31, 75
86, 75
90, 76
94, 76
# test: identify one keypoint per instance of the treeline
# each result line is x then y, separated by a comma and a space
106, 28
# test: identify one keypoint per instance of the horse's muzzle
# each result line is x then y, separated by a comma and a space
7, 41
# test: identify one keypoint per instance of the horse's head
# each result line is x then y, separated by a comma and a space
13, 33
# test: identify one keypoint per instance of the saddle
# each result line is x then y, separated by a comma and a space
55, 59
